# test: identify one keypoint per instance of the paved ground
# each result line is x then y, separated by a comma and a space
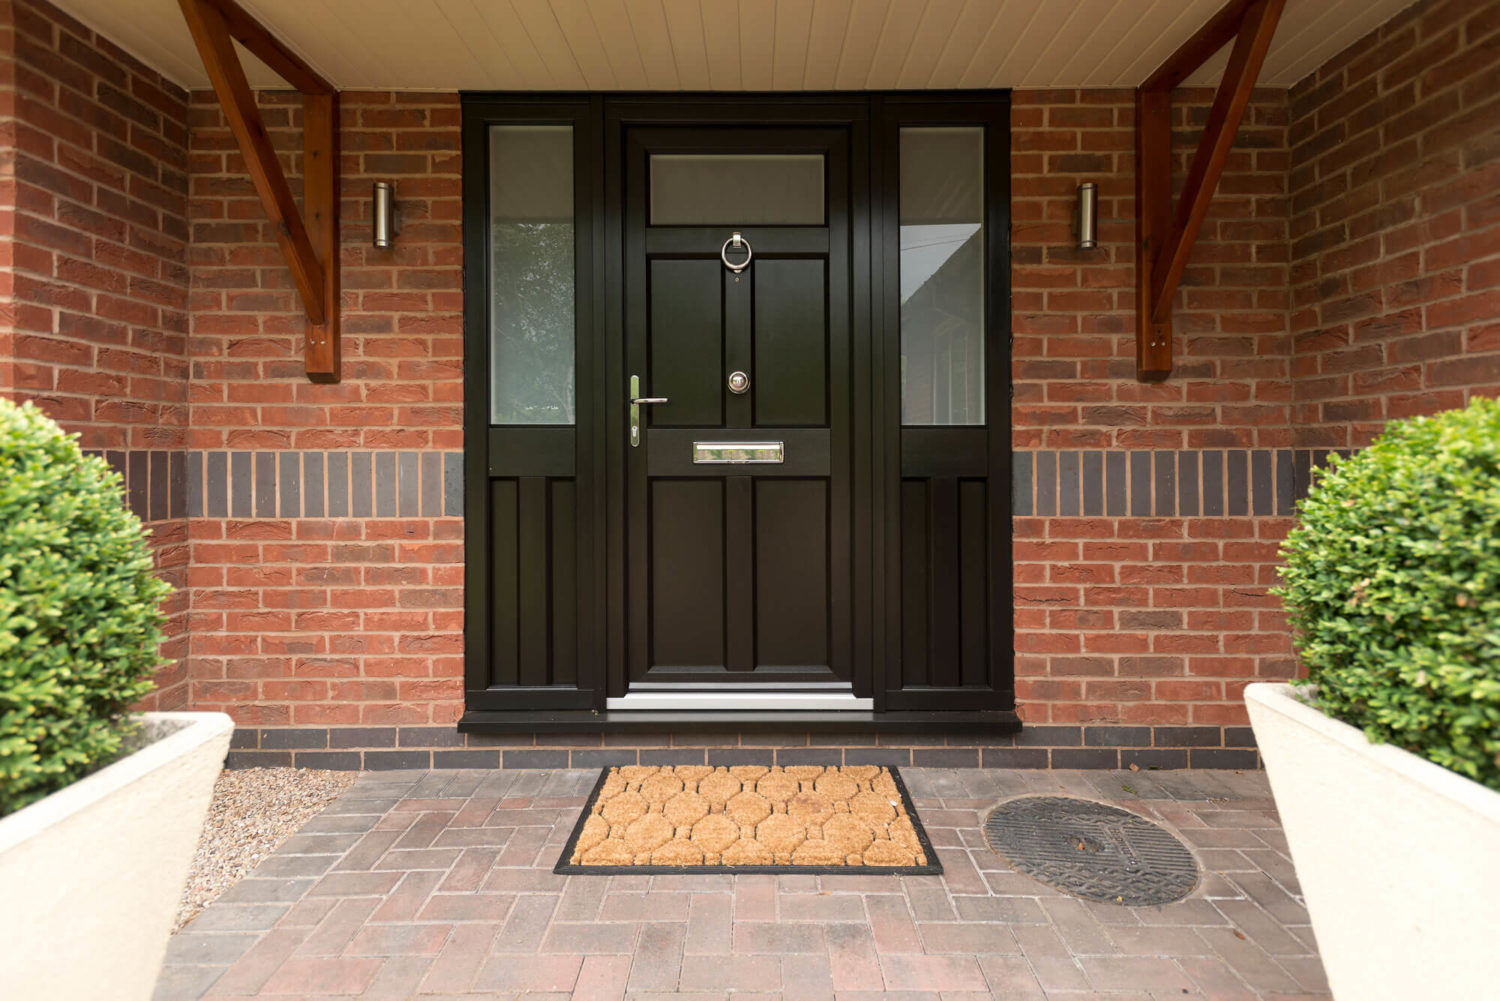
437, 885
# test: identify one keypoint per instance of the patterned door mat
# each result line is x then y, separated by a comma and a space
647, 819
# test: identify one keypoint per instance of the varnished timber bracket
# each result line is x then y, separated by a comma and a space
1164, 236
309, 239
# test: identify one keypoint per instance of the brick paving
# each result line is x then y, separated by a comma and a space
438, 885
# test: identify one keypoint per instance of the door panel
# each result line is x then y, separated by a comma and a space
791, 578
687, 573
790, 378
686, 343
533, 595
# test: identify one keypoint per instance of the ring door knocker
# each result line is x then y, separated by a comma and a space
738, 242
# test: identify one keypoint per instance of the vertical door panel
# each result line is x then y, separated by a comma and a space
564, 591
505, 594
532, 573
532, 618
686, 344
973, 582
915, 560
945, 629
791, 343
791, 573
687, 573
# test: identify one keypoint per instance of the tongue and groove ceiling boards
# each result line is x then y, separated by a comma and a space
732, 45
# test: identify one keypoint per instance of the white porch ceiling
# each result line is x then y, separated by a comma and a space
732, 45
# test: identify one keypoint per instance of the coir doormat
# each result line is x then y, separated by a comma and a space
648, 819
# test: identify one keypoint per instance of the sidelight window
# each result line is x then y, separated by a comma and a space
532, 293
942, 275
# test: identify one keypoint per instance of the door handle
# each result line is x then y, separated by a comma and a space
636, 399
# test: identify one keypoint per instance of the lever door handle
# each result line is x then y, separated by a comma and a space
636, 400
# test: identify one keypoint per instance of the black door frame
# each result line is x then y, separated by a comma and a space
584, 590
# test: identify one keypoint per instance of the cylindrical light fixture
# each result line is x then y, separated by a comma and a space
1086, 216
383, 214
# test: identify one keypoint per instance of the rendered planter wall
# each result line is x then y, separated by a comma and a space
1399, 859
90, 877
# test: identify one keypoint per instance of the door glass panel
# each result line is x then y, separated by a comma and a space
531, 274
692, 189
942, 276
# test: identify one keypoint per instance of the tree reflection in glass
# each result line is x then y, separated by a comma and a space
532, 329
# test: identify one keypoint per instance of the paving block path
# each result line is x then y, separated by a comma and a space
439, 885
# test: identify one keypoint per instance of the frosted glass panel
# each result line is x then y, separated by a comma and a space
531, 274
691, 189
942, 276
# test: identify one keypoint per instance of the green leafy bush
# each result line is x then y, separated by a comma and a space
1393, 584
79, 618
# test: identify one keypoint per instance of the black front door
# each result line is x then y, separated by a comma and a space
808, 504
737, 466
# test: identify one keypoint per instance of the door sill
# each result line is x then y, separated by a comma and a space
989, 724
807, 701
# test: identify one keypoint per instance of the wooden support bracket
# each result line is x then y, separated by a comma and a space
310, 245
1164, 237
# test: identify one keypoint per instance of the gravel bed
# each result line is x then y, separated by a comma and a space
253, 811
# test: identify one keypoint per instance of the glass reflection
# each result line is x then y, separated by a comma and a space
942, 275
532, 329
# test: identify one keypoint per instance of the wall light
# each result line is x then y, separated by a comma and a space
1086, 216
386, 222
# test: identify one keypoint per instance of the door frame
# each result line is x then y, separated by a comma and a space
709, 111
596, 458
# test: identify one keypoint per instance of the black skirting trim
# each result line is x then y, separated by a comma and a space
932, 868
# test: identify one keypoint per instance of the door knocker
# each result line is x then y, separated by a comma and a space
737, 242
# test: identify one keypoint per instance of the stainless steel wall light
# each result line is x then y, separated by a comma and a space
385, 221
1086, 216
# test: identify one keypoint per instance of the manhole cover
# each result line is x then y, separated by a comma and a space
1091, 850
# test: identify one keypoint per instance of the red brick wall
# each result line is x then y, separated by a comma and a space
1395, 186
1350, 259
317, 620
93, 208
1146, 620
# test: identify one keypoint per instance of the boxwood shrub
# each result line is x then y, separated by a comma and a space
1392, 581
79, 621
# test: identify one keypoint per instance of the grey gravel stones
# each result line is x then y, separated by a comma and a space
253, 811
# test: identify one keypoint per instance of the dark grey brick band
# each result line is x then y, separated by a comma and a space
156, 480
1191, 483
1121, 483
377, 747
383, 484
161, 484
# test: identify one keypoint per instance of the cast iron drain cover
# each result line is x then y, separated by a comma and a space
1091, 850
